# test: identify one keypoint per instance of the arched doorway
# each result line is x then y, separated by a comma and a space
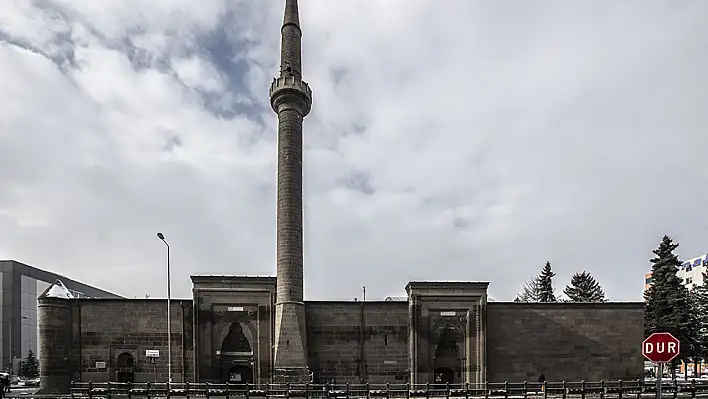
449, 351
236, 356
125, 368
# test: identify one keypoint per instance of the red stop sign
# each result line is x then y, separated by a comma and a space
661, 347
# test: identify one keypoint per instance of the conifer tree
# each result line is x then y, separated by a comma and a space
699, 301
584, 288
545, 284
668, 306
30, 366
529, 292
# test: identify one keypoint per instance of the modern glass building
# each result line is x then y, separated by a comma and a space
20, 285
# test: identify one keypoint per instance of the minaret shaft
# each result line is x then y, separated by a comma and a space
291, 99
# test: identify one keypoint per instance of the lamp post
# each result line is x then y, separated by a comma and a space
169, 320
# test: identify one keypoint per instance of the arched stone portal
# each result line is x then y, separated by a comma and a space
125, 368
236, 356
449, 353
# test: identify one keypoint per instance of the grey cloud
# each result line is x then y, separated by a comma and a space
494, 136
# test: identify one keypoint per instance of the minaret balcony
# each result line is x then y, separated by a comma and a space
290, 90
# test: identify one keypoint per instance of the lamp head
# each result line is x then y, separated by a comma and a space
161, 236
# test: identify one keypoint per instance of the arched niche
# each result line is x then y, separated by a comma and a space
125, 367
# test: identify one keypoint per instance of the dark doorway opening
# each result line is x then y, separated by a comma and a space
241, 375
444, 375
125, 368
236, 361
449, 353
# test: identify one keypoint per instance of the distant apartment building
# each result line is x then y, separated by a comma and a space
20, 285
690, 272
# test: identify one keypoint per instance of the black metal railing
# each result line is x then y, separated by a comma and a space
628, 389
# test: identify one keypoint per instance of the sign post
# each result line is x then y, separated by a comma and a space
660, 348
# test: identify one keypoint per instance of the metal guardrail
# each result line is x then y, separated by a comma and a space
634, 389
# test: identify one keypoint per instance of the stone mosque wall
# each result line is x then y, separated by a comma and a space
106, 340
564, 341
444, 328
341, 334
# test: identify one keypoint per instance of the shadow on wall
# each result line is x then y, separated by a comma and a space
570, 342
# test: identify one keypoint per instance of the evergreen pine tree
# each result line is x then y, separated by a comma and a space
699, 301
30, 366
584, 288
668, 306
545, 284
529, 292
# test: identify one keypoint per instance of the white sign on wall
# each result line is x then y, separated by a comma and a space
100, 365
152, 353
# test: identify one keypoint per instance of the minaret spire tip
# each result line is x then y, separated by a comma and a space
292, 16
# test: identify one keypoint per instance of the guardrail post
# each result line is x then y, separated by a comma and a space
674, 385
130, 390
526, 389
506, 389
603, 388
287, 390
207, 391
467, 390
388, 390
620, 390
486, 389
582, 389
565, 390
346, 391
427, 390
447, 390
248, 390
693, 388
543, 388
368, 391
90, 389
408, 390
108, 392
147, 389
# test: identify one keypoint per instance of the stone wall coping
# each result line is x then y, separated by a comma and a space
206, 278
447, 285
567, 305
112, 300
357, 303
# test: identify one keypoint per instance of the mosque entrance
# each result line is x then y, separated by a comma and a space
236, 357
449, 352
125, 368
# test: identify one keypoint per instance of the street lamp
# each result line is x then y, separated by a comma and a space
169, 321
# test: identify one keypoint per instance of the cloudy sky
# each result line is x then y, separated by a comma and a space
451, 140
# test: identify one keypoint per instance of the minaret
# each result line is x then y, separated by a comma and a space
291, 99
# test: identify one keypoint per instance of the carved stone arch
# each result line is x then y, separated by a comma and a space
248, 329
443, 327
125, 363
118, 352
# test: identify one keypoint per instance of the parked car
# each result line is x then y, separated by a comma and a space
33, 382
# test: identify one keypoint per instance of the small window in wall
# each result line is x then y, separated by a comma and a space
385, 339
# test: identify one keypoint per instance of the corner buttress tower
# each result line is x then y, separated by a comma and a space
291, 99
